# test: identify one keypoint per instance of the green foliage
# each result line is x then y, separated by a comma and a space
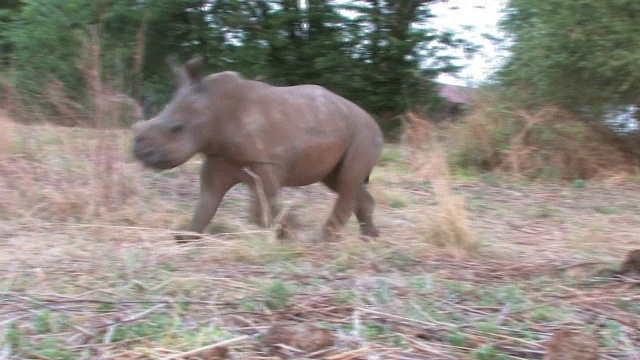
49, 38
581, 54
46, 44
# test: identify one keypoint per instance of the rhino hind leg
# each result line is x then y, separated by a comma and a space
363, 206
348, 181
364, 213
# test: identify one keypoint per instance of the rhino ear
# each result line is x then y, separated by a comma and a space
194, 69
180, 75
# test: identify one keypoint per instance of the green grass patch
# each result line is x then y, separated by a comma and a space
155, 326
51, 348
546, 212
548, 313
383, 292
488, 352
457, 338
579, 183
345, 297
425, 282
489, 327
607, 210
390, 155
398, 203
512, 295
277, 295
373, 329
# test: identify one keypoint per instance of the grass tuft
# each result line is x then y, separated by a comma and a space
447, 226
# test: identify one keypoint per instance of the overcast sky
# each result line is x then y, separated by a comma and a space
470, 19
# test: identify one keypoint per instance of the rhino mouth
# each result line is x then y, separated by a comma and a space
153, 158
158, 164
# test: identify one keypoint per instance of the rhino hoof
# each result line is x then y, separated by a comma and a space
328, 236
186, 238
369, 232
284, 233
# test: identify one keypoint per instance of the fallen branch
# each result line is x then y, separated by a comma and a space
207, 348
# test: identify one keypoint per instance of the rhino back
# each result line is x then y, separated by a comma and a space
293, 127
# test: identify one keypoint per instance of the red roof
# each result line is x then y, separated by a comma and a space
456, 94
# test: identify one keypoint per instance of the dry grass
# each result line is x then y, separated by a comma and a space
447, 225
89, 267
550, 143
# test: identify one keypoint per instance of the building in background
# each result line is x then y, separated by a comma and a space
457, 99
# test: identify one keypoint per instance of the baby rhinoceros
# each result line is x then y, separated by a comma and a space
266, 137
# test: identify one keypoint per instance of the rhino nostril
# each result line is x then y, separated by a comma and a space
138, 139
137, 127
137, 146
145, 150
140, 149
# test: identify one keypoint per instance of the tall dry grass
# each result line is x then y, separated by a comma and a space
448, 225
106, 106
75, 174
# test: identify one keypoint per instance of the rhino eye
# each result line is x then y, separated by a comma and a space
176, 128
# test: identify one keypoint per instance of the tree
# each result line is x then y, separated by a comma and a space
583, 55
388, 42
8, 11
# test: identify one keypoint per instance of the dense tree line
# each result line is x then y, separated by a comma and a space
371, 51
582, 55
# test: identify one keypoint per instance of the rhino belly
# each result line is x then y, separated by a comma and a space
312, 163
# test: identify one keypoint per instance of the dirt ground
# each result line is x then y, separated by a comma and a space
89, 267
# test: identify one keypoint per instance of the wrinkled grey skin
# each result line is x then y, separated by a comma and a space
287, 136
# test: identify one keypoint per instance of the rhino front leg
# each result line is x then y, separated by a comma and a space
256, 210
288, 221
215, 180
265, 207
